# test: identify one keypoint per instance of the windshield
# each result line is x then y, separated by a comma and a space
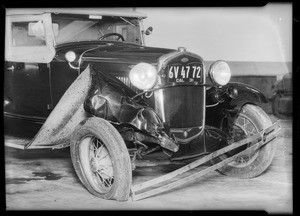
75, 28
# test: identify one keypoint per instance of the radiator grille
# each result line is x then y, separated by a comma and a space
183, 106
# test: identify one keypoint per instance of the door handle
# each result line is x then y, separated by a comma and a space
11, 68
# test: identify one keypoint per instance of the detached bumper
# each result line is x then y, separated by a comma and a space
140, 191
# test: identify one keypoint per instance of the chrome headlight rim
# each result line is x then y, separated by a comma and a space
213, 70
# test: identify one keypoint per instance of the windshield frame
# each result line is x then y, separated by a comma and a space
124, 19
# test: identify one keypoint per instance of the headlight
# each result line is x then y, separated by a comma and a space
70, 56
143, 76
219, 73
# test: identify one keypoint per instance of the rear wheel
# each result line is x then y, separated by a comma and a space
250, 121
101, 160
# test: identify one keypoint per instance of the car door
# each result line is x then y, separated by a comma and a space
28, 52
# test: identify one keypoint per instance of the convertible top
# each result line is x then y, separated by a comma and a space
124, 12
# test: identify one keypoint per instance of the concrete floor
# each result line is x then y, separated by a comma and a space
46, 180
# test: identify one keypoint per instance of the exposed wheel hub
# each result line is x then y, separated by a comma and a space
94, 165
102, 167
242, 128
100, 161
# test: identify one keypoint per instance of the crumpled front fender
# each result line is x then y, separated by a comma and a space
110, 99
66, 115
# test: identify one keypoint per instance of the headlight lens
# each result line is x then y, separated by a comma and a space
220, 73
70, 56
143, 76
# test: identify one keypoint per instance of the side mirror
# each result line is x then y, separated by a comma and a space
149, 30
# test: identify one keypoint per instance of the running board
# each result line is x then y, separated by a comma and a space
139, 191
14, 142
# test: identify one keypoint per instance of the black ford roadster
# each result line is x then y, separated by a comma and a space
85, 79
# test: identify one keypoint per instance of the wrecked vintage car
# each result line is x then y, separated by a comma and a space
84, 79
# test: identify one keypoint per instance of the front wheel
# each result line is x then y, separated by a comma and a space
250, 121
101, 160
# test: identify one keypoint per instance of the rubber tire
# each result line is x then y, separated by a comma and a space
117, 150
265, 154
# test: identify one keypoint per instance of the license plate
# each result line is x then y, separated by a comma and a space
184, 73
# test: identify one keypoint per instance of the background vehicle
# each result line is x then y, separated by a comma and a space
84, 79
282, 98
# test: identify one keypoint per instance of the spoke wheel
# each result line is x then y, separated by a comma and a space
98, 164
251, 120
101, 159
242, 128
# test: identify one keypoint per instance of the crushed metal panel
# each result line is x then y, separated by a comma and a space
67, 114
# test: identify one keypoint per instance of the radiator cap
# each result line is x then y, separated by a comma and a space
181, 49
